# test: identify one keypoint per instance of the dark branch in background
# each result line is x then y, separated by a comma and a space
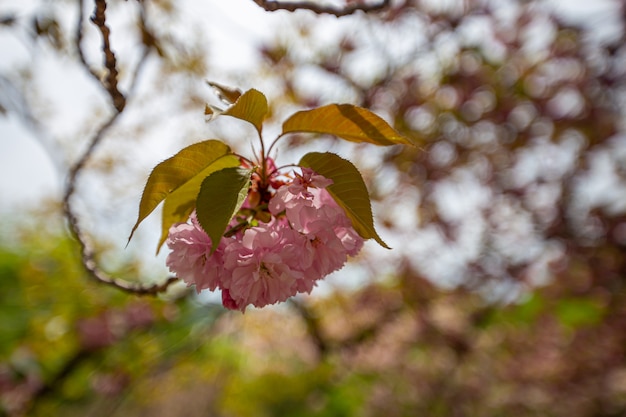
324, 344
149, 42
79, 40
12, 100
272, 6
69, 367
313, 327
110, 82
119, 102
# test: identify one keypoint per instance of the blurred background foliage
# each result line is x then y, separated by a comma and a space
504, 293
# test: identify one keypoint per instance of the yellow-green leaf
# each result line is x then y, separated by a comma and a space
348, 189
174, 172
221, 195
181, 202
346, 121
251, 107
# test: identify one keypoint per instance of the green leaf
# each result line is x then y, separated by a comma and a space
346, 121
348, 190
174, 172
526, 313
180, 203
221, 195
578, 312
251, 107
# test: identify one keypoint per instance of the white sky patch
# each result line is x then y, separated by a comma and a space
461, 196
597, 15
27, 173
232, 31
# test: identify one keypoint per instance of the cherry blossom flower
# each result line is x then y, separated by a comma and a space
294, 193
307, 237
266, 264
190, 257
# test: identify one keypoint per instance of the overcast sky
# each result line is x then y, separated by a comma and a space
26, 170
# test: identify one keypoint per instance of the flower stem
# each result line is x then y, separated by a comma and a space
274, 143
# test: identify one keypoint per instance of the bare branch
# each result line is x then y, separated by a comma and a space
87, 251
149, 42
272, 6
110, 82
119, 101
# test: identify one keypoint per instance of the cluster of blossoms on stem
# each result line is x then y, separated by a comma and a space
287, 235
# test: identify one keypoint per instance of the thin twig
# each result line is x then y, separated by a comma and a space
272, 5
79, 41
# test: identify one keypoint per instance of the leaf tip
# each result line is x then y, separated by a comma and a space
132, 232
382, 243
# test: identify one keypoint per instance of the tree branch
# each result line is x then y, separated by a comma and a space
272, 6
110, 82
87, 251
119, 101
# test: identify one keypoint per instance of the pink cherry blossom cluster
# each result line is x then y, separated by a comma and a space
307, 237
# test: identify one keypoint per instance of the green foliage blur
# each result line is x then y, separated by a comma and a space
71, 347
